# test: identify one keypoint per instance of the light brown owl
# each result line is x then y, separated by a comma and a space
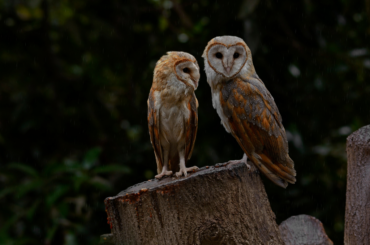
247, 109
173, 112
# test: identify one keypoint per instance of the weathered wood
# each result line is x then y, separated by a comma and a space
303, 230
215, 205
357, 227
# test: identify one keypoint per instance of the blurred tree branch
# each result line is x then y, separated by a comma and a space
182, 14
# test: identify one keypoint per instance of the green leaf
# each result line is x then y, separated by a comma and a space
63, 208
64, 169
32, 209
79, 180
10, 222
91, 157
100, 183
6, 191
51, 232
163, 23
27, 187
24, 168
52, 197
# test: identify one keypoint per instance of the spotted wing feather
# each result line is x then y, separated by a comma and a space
191, 127
256, 124
154, 131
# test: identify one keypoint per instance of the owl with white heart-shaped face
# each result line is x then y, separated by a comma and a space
247, 109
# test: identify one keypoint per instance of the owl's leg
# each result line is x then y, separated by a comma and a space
165, 171
183, 169
233, 162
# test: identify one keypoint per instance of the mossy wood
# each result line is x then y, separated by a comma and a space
215, 205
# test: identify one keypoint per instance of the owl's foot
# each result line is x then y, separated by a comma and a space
185, 171
164, 173
230, 163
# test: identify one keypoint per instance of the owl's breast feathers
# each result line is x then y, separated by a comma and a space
256, 124
154, 124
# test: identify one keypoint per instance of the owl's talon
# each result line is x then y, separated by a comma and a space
231, 163
186, 170
164, 173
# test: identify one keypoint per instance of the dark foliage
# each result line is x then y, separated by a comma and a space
75, 76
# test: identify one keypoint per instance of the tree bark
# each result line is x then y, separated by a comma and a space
357, 227
215, 205
303, 230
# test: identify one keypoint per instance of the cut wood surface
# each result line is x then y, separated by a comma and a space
303, 230
215, 205
357, 227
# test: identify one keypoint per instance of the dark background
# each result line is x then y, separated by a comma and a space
74, 80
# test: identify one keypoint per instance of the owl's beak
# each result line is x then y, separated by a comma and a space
195, 80
195, 76
228, 64
195, 83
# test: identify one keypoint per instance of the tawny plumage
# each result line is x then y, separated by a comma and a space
247, 109
173, 112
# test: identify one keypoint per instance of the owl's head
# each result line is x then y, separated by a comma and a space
227, 56
180, 66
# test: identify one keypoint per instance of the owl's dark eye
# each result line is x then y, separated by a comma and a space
236, 55
218, 55
186, 70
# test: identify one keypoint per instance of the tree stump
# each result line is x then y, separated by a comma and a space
303, 230
215, 205
357, 227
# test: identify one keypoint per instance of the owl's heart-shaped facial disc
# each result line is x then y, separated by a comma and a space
227, 60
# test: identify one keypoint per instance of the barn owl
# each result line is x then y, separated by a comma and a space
247, 109
173, 112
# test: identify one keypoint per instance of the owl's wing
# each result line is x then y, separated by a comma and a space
153, 124
191, 126
256, 124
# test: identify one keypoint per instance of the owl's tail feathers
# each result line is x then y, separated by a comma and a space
278, 173
288, 166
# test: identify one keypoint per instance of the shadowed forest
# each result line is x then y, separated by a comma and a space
75, 78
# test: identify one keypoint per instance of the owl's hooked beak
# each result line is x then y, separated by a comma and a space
228, 65
195, 78
195, 83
